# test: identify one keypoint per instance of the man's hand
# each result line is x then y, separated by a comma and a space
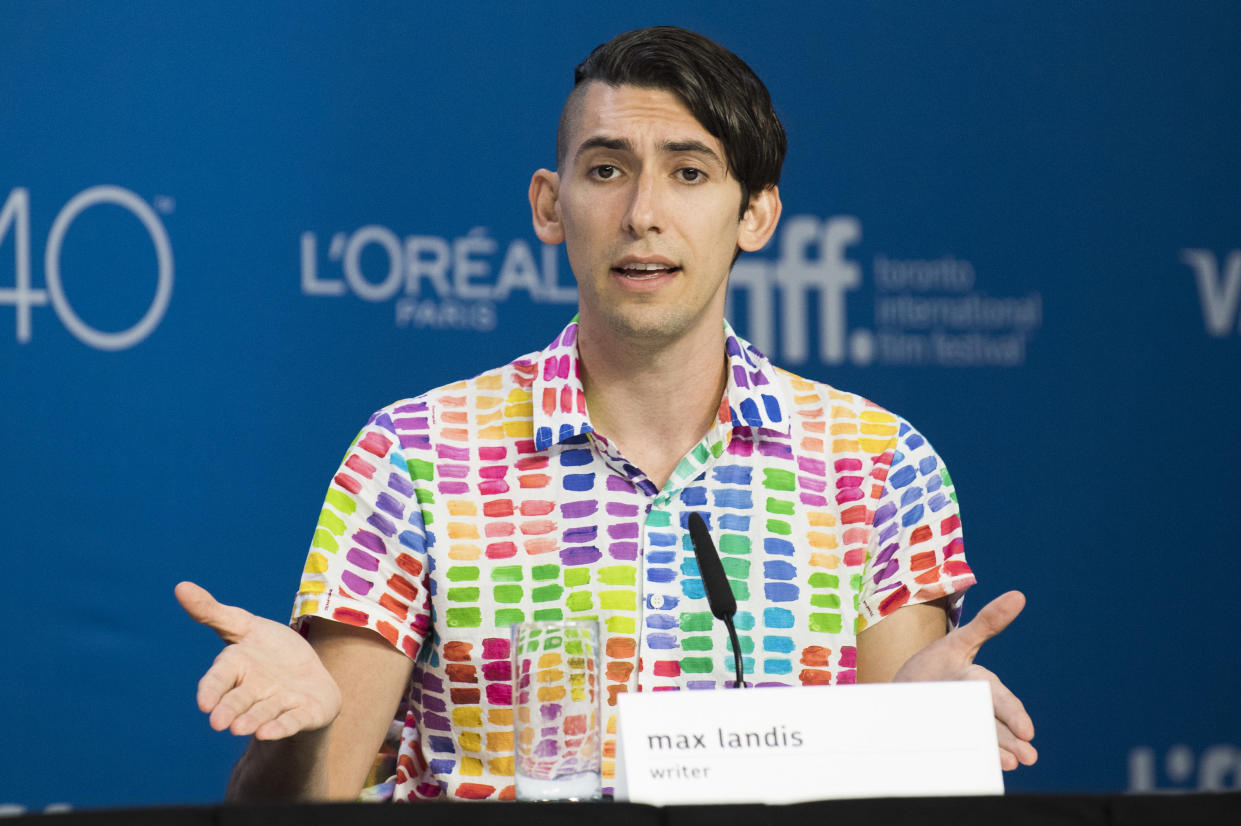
952, 658
268, 681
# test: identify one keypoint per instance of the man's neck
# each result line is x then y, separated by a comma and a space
654, 403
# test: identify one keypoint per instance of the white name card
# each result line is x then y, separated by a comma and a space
788, 745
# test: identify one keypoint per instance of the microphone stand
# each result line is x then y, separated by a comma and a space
732, 635
719, 594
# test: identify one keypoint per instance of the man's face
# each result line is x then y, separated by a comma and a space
649, 215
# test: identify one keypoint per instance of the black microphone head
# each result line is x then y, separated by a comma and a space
714, 582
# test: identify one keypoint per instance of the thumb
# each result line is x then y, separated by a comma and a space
993, 618
230, 622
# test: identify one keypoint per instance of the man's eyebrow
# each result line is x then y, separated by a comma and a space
601, 142
691, 146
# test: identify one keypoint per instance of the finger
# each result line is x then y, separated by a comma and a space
222, 677
1010, 711
257, 715
1027, 754
994, 617
290, 722
1014, 751
1013, 727
229, 621
231, 706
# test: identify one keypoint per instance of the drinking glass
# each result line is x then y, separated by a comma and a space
556, 684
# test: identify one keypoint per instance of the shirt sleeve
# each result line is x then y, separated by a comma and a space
367, 564
916, 553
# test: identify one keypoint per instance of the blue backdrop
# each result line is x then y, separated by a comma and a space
230, 233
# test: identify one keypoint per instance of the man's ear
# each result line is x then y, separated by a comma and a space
760, 219
545, 206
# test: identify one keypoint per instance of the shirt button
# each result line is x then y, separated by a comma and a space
657, 601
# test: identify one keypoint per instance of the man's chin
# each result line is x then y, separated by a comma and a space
645, 327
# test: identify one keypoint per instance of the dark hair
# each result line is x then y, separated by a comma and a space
717, 87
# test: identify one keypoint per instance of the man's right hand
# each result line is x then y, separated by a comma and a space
268, 681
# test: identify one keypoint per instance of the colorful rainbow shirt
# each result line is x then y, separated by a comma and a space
490, 501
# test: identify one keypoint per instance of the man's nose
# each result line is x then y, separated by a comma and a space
645, 203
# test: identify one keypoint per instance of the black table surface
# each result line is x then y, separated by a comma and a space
1009, 810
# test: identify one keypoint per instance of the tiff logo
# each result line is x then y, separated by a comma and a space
1220, 293
812, 261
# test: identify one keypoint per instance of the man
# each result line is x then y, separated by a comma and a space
559, 485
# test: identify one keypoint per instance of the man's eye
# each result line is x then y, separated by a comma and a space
603, 172
691, 175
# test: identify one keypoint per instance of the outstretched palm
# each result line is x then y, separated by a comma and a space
952, 658
268, 681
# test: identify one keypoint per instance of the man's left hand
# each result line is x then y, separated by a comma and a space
952, 658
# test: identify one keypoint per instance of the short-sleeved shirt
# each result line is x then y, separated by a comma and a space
492, 501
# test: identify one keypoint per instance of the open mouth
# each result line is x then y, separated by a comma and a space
645, 272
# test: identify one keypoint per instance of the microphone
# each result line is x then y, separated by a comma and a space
719, 594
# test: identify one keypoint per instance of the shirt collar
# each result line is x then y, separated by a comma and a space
755, 394
559, 400
753, 398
